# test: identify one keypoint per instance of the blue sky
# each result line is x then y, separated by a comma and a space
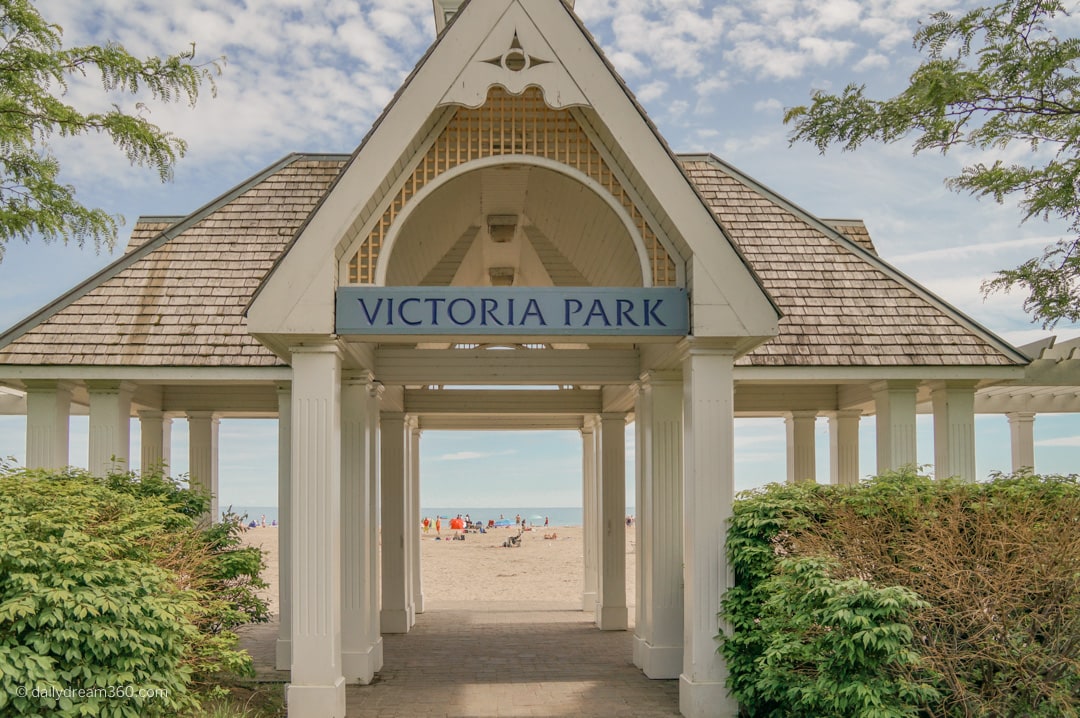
714, 76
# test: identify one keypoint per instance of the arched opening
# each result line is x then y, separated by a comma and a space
524, 223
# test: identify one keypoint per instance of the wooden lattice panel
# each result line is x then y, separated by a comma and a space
511, 125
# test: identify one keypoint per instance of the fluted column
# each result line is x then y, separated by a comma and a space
203, 455
283, 647
611, 611
708, 496
110, 426
801, 446
661, 546
155, 430
48, 421
954, 429
643, 525
589, 515
357, 640
395, 576
317, 688
1022, 433
844, 447
374, 578
894, 403
414, 517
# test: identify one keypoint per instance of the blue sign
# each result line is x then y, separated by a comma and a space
633, 311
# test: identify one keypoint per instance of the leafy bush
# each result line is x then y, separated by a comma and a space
907, 596
108, 587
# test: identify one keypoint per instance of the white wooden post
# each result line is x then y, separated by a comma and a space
844, 447
283, 647
589, 517
660, 551
395, 577
110, 425
708, 496
48, 415
1022, 433
203, 455
896, 431
357, 641
801, 446
611, 612
954, 429
317, 689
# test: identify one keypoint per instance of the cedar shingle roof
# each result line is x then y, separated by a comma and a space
177, 298
842, 307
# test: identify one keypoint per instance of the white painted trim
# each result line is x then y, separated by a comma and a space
387, 250
860, 374
147, 374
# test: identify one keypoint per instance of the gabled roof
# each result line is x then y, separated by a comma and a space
177, 298
842, 305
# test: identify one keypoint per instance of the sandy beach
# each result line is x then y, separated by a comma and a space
479, 568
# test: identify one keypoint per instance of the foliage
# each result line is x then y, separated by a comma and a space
907, 596
995, 79
35, 69
106, 584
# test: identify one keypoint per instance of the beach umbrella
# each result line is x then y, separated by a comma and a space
504, 522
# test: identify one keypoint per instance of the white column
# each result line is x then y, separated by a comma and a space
283, 647
611, 612
660, 551
708, 495
1022, 431
844, 447
413, 533
801, 446
48, 414
395, 577
374, 578
155, 429
317, 689
589, 514
203, 455
894, 403
643, 524
954, 429
357, 641
110, 426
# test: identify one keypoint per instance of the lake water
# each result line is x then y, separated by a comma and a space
557, 516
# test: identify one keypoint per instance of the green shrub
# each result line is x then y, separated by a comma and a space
970, 594
83, 607
108, 585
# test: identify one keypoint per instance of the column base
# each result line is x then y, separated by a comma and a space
392, 621
705, 700
639, 642
660, 662
283, 654
316, 701
588, 602
358, 665
377, 654
612, 618
419, 604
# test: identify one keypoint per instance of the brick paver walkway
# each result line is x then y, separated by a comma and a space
491, 660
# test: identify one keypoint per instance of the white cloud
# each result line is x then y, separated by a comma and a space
871, 61
652, 91
1069, 441
771, 105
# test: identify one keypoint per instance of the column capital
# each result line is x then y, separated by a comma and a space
653, 378
319, 347
148, 414
283, 387
960, 384
801, 414
48, 385
357, 377
392, 416
704, 346
201, 415
1020, 416
844, 414
106, 386
895, 385
376, 389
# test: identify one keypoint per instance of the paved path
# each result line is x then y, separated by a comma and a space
491, 660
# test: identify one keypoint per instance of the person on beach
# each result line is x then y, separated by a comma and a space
438, 525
